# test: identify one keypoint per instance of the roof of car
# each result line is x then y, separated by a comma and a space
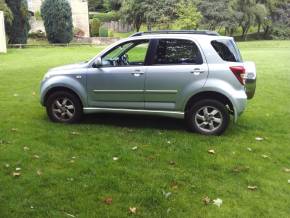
193, 34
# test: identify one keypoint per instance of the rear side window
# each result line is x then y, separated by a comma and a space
227, 50
177, 51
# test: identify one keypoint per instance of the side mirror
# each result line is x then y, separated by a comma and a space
98, 62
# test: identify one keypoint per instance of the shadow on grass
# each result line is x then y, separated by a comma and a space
135, 121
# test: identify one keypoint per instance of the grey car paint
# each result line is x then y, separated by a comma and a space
151, 89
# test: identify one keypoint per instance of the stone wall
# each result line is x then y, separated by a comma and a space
96, 40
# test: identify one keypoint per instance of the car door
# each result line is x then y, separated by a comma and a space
176, 65
119, 81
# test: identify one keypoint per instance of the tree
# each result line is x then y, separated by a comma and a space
247, 10
95, 5
18, 31
151, 12
166, 11
8, 16
133, 12
260, 15
215, 13
188, 16
112, 5
57, 17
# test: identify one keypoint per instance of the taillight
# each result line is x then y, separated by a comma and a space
239, 72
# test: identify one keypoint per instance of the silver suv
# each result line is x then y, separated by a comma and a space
196, 75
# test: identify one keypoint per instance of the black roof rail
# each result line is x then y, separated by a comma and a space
201, 32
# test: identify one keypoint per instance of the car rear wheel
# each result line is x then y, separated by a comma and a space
64, 107
208, 117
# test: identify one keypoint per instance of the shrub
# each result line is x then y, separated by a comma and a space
37, 35
18, 32
94, 27
280, 32
107, 17
8, 16
57, 17
103, 31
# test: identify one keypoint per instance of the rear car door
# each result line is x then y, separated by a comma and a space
119, 81
175, 65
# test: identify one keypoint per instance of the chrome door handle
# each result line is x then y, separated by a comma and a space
197, 71
137, 73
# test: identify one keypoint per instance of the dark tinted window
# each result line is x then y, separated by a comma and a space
177, 51
227, 50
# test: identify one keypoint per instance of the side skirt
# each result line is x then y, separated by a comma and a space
174, 114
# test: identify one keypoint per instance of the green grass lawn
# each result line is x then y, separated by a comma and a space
68, 170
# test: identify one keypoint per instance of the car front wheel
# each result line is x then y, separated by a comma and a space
64, 107
208, 117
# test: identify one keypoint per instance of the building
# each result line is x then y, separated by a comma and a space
80, 16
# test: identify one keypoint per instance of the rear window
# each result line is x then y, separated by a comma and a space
227, 50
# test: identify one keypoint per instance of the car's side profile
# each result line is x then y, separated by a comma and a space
198, 76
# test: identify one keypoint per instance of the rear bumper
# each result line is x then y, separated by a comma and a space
239, 107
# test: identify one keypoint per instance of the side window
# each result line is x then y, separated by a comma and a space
227, 50
131, 53
137, 54
177, 51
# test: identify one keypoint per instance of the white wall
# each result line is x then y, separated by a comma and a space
3, 48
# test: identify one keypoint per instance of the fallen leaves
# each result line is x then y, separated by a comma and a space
206, 200
172, 162
38, 172
166, 194
218, 202
259, 139
74, 133
108, 200
36, 156
239, 169
133, 210
265, 156
25, 148
115, 158
286, 170
14, 129
16, 174
70, 215
288, 181
252, 187
211, 151
134, 148
249, 149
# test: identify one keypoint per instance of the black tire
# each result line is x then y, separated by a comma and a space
198, 121
73, 100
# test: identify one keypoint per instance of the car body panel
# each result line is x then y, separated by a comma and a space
116, 87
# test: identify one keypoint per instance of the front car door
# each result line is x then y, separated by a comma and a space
176, 66
119, 81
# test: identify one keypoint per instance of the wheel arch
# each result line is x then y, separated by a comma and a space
210, 95
60, 88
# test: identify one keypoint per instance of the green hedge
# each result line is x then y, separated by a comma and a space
95, 25
106, 17
103, 31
